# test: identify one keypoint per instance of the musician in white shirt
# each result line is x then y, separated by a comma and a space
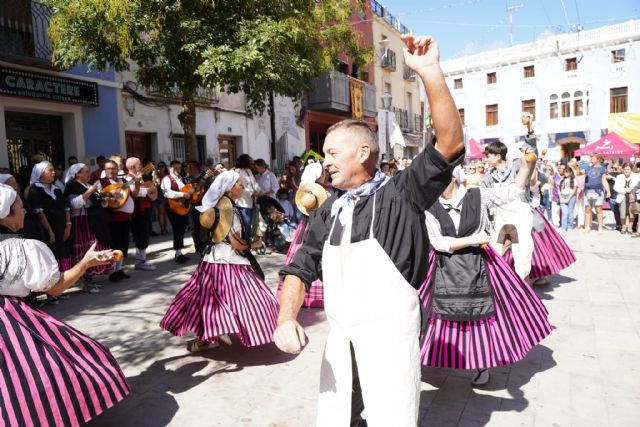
141, 220
171, 185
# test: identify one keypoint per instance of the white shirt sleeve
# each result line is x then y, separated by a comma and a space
32, 267
439, 242
78, 202
168, 192
498, 196
275, 185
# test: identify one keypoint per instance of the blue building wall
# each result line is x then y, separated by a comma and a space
100, 124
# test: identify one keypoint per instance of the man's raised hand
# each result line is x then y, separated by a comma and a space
420, 52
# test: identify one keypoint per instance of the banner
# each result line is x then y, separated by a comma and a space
357, 98
627, 125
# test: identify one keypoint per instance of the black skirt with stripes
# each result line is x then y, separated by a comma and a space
51, 374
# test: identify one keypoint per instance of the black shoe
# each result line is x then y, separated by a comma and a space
116, 276
125, 275
181, 259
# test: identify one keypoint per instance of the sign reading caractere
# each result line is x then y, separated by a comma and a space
52, 88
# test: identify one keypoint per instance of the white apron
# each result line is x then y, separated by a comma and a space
370, 304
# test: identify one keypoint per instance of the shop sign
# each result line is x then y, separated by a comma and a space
52, 88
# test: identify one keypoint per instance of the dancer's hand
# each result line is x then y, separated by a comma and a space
289, 337
93, 257
482, 238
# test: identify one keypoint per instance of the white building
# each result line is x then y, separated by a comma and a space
570, 82
224, 128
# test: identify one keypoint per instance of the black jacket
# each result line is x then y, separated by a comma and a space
399, 225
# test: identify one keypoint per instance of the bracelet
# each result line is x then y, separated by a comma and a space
69, 223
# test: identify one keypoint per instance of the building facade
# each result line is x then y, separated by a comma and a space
571, 83
224, 127
43, 109
356, 91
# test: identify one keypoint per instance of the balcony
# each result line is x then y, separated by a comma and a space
204, 96
408, 122
408, 74
388, 60
23, 32
332, 94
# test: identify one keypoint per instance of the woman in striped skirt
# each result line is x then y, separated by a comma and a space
480, 314
313, 172
50, 373
551, 253
89, 221
226, 294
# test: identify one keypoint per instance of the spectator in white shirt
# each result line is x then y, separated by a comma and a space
251, 189
266, 179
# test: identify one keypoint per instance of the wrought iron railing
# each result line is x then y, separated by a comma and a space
418, 123
23, 31
402, 117
408, 74
203, 96
388, 60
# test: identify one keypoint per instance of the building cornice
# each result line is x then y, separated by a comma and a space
553, 46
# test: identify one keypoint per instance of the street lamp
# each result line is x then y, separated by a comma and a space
386, 105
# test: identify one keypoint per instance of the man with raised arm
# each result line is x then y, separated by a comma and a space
369, 245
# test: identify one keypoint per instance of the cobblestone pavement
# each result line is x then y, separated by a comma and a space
584, 374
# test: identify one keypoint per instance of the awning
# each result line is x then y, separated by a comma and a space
627, 125
610, 145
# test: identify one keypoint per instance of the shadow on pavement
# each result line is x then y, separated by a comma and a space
555, 281
456, 403
154, 388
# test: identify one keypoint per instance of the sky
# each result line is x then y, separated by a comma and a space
464, 27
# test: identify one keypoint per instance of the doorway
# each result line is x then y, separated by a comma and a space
228, 150
29, 134
138, 145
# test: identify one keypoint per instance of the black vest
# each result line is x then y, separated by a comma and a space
461, 290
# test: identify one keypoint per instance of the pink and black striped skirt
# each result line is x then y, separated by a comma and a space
520, 323
551, 254
224, 299
83, 238
315, 297
51, 374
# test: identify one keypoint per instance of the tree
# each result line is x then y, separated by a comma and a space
242, 45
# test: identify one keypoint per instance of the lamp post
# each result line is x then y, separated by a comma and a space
386, 104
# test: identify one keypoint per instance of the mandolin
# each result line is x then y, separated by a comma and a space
119, 193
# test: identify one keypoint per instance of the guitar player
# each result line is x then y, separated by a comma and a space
201, 180
119, 219
171, 185
141, 220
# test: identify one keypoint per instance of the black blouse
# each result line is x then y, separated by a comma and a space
399, 220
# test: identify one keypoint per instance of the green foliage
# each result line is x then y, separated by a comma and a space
241, 45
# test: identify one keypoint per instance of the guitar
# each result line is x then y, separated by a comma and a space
119, 193
183, 205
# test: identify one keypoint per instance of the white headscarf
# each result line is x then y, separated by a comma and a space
223, 183
312, 172
4, 177
73, 170
37, 171
7, 198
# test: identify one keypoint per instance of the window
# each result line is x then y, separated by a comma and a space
565, 105
461, 114
618, 55
553, 107
457, 84
578, 103
492, 114
570, 64
529, 71
618, 100
529, 106
492, 78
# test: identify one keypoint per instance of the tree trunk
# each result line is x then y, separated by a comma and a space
188, 121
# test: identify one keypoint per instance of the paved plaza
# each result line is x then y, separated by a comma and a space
584, 374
